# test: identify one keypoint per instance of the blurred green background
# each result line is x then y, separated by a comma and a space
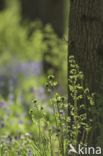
32, 45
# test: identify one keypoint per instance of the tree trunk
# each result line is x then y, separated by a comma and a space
85, 40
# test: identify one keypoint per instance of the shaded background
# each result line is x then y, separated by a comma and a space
32, 45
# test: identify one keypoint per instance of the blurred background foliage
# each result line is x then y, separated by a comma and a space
29, 51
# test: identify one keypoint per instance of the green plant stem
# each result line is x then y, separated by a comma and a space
62, 135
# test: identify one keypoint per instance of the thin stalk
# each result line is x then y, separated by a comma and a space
62, 136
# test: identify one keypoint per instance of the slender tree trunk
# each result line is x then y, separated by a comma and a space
85, 41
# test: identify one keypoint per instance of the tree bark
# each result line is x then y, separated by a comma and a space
85, 36
85, 40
